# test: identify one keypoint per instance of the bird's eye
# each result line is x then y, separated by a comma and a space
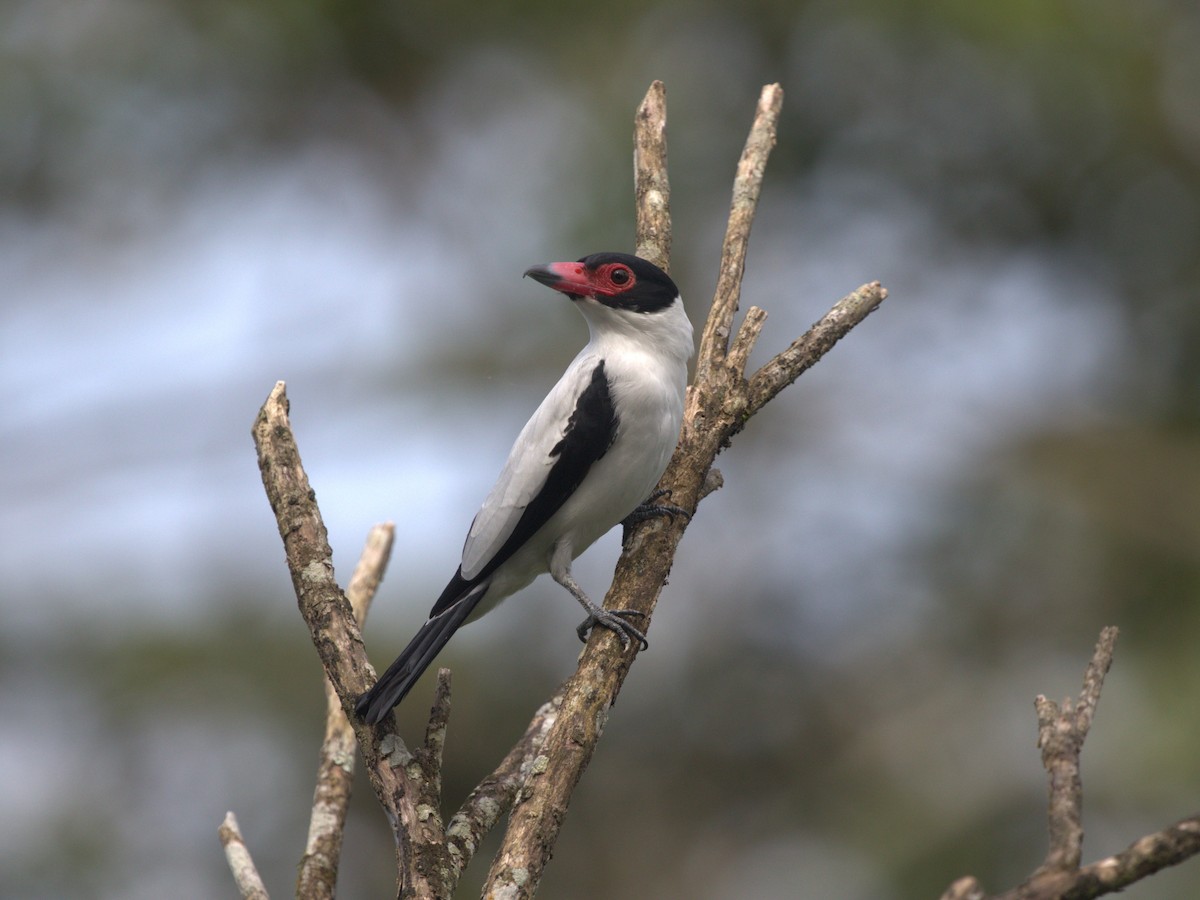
620, 276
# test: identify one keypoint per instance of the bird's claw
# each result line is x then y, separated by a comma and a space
648, 510
614, 621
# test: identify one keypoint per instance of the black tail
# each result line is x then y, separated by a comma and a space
401, 675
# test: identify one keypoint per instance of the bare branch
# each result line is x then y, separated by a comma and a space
403, 791
368, 574
652, 190
306, 543
789, 365
245, 874
1139, 860
747, 185
539, 774
1061, 733
335, 771
495, 795
715, 410
435, 733
1143, 857
746, 338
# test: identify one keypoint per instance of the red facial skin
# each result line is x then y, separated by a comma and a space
607, 280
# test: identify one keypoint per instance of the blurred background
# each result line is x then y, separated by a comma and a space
928, 529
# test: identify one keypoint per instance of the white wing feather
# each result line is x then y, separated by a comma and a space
528, 465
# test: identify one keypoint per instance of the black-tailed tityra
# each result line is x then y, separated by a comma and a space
591, 453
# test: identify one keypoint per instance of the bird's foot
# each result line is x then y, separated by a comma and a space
614, 620
648, 510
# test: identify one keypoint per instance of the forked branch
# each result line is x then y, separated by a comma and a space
1062, 731
717, 407
537, 777
335, 770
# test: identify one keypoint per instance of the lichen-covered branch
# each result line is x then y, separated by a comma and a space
652, 190
241, 864
434, 745
306, 544
495, 794
317, 877
403, 790
716, 408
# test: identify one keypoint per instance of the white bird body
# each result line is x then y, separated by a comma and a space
588, 456
647, 391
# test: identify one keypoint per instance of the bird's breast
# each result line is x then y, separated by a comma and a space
649, 410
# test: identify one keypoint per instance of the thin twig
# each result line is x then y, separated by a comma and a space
335, 770
747, 185
746, 338
241, 864
1093, 679
804, 352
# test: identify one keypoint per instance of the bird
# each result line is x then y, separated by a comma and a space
589, 458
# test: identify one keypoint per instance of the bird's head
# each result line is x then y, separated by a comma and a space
625, 299
616, 280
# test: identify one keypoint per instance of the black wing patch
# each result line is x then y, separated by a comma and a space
590, 432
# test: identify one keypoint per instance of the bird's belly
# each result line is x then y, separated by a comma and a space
614, 486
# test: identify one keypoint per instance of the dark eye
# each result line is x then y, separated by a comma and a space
620, 276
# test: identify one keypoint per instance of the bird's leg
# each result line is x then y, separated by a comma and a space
612, 619
648, 510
